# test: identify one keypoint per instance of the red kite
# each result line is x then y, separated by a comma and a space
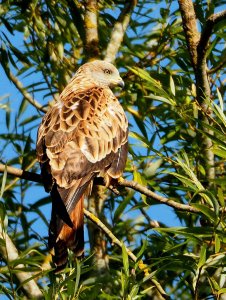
82, 136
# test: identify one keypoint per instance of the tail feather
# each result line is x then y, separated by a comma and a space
70, 238
60, 255
74, 237
66, 231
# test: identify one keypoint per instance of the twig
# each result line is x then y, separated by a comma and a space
206, 33
143, 267
221, 64
26, 95
118, 31
126, 183
10, 254
91, 29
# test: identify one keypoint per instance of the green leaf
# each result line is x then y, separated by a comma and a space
210, 214
221, 152
29, 120
172, 86
220, 99
134, 292
3, 181
122, 206
202, 256
125, 260
217, 243
220, 197
221, 291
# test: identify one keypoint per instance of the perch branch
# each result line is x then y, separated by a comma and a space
125, 183
10, 254
118, 31
145, 191
20, 174
25, 94
91, 29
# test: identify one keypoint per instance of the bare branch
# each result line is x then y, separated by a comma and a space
190, 28
91, 29
118, 31
20, 174
143, 267
10, 254
26, 95
131, 184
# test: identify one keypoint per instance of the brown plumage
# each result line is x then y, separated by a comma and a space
82, 136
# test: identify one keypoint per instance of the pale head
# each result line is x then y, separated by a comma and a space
102, 73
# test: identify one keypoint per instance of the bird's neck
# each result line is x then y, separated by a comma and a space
77, 84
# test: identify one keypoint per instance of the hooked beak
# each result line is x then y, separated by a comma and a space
121, 83
117, 82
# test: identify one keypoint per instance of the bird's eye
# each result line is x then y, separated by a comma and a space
107, 71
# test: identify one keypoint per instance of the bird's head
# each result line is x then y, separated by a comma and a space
102, 73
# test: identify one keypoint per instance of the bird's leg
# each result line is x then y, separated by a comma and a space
113, 183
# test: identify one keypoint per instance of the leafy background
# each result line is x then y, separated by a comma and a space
174, 100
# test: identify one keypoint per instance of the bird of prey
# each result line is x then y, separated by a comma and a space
82, 136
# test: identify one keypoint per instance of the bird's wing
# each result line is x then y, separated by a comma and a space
82, 136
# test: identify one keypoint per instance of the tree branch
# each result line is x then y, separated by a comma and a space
198, 48
125, 183
10, 254
190, 28
118, 31
25, 94
91, 29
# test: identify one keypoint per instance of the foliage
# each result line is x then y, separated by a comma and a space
41, 44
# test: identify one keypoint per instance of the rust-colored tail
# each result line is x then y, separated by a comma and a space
70, 238
66, 230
